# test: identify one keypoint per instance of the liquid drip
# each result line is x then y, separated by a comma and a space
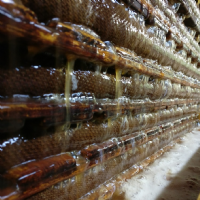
98, 68
118, 88
110, 125
68, 74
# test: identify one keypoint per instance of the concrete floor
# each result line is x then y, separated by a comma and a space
173, 176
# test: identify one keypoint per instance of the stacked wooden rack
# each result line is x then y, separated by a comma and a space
92, 91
